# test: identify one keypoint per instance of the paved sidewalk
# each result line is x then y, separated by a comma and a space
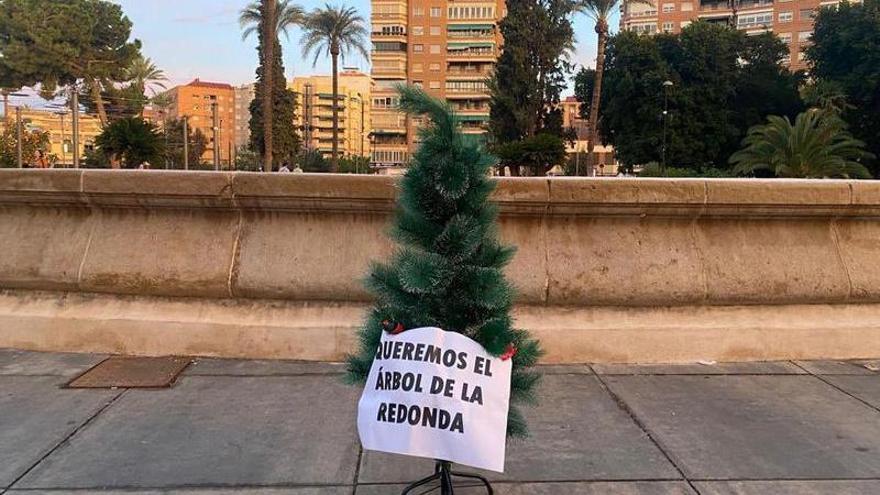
268, 427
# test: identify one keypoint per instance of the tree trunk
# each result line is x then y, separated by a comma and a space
602, 32
268, 35
334, 164
99, 102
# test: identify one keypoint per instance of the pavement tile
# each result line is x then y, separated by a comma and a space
755, 427
837, 367
68, 364
848, 487
866, 388
238, 367
578, 433
330, 490
757, 368
214, 431
568, 488
35, 416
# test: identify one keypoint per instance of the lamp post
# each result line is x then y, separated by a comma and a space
666, 86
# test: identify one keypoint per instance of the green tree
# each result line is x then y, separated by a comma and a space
816, 146
845, 52
599, 11
538, 153
335, 31
132, 141
117, 101
530, 74
31, 142
448, 270
197, 143
273, 102
723, 83
583, 90
59, 42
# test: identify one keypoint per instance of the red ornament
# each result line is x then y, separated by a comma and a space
509, 352
393, 328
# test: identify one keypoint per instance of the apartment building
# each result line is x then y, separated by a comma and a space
196, 101
791, 20
448, 47
314, 114
244, 95
60, 129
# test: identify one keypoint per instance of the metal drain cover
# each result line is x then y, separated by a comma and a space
132, 372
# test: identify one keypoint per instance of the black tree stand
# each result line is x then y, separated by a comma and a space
443, 472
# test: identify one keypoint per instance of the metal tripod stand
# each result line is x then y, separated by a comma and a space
443, 472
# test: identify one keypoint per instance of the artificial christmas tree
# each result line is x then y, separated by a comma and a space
447, 272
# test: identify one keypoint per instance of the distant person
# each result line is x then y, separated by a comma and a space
297, 169
285, 168
40, 160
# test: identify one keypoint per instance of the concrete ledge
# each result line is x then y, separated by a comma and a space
324, 331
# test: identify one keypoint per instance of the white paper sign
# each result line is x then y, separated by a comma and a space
436, 394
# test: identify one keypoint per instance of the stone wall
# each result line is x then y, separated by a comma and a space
258, 265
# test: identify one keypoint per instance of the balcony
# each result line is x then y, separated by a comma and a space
471, 51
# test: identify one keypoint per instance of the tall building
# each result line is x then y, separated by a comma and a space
448, 47
59, 126
314, 112
791, 20
196, 101
244, 95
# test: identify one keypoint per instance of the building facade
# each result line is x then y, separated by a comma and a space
791, 20
196, 102
314, 112
60, 128
578, 148
244, 95
448, 47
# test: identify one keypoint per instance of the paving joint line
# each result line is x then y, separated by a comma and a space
632, 415
357, 469
66, 439
822, 379
259, 375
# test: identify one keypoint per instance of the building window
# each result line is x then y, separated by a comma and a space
435, 30
785, 17
418, 84
417, 67
434, 67
435, 49
434, 84
435, 11
806, 14
785, 38
418, 48
687, 7
804, 36
685, 24
644, 28
668, 7
667, 27
801, 56
418, 30
418, 11
752, 20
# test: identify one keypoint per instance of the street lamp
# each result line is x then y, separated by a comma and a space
666, 87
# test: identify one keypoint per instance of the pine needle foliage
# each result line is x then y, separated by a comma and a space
447, 270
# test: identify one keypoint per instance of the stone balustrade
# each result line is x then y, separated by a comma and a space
269, 265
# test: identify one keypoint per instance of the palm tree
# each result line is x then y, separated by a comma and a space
288, 13
335, 31
816, 146
599, 11
144, 74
